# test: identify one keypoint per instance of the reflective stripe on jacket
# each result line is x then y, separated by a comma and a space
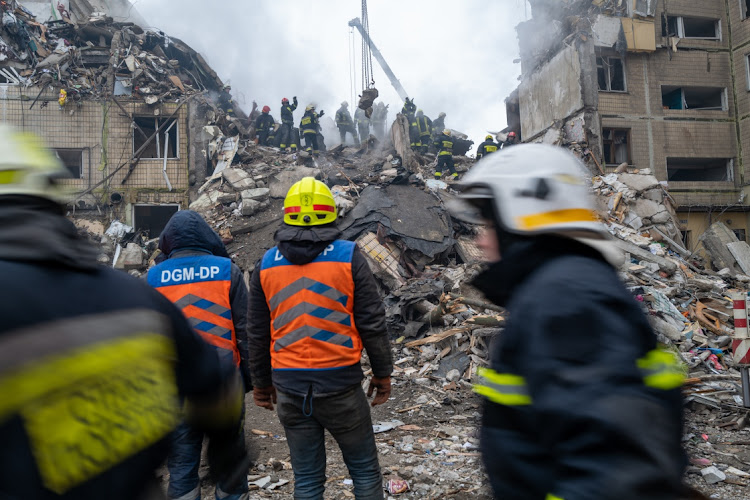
445, 145
311, 305
423, 125
199, 286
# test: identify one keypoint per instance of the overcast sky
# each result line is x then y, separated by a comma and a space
451, 56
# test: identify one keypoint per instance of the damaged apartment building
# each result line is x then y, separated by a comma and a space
125, 109
659, 85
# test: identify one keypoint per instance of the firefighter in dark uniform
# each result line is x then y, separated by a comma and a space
444, 146
345, 124
580, 403
424, 128
487, 147
93, 362
287, 123
309, 127
409, 110
264, 125
225, 100
363, 124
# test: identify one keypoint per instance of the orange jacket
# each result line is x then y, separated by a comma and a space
311, 305
199, 286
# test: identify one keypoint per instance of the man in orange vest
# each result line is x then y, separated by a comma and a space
314, 305
200, 279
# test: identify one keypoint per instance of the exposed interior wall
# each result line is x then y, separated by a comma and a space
697, 222
552, 93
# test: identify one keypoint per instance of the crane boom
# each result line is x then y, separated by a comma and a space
389, 73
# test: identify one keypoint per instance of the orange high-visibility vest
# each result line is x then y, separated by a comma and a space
312, 309
199, 285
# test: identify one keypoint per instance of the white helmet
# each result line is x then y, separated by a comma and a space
536, 189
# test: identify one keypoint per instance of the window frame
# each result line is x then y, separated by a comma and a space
608, 74
681, 88
81, 167
744, 9
681, 28
159, 140
614, 130
730, 175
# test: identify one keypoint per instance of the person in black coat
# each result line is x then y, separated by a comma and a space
580, 403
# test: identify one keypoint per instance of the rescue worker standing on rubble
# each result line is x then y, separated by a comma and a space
287, 123
199, 277
225, 100
263, 126
314, 305
487, 147
345, 124
379, 119
93, 362
363, 124
310, 127
424, 128
580, 403
511, 140
409, 110
444, 145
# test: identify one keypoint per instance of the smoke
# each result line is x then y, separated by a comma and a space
454, 57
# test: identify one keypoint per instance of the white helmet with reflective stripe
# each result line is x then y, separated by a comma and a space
535, 189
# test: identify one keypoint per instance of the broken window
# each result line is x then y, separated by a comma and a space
166, 142
693, 27
616, 146
73, 161
611, 74
700, 170
686, 238
744, 9
740, 234
696, 98
153, 218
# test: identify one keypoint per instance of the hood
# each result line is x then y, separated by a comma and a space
187, 230
522, 258
34, 230
300, 245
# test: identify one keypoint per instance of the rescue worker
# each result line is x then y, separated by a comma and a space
511, 140
409, 108
287, 123
438, 125
199, 277
487, 147
345, 124
363, 124
263, 126
444, 146
314, 305
225, 100
424, 128
579, 401
310, 127
379, 119
93, 362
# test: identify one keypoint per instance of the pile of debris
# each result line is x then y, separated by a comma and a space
91, 57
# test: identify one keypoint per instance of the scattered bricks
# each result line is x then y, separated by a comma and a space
712, 475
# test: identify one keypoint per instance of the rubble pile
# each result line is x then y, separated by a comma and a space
86, 58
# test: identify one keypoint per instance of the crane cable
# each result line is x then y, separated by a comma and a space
368, 78
352, 65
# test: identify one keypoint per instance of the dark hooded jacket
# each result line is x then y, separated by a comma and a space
187, 234
594, 429
58, 305
301, 246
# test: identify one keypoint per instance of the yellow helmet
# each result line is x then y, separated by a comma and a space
488, 138
27, 167
309, 202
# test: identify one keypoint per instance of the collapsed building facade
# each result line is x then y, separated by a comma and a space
657, 85
125, 109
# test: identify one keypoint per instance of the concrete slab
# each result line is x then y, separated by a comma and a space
281, 182
715, 241
638, 182
740, 250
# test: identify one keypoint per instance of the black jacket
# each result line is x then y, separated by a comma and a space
309, 123
264, 122
301, 246
287, 113
343, 118
593, 429
187, 234
438, 125
70, 331
482, 149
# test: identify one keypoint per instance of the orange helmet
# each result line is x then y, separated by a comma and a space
285, 101
266, 109
511, 134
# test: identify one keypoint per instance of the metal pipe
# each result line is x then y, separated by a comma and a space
745, 375
166, 153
